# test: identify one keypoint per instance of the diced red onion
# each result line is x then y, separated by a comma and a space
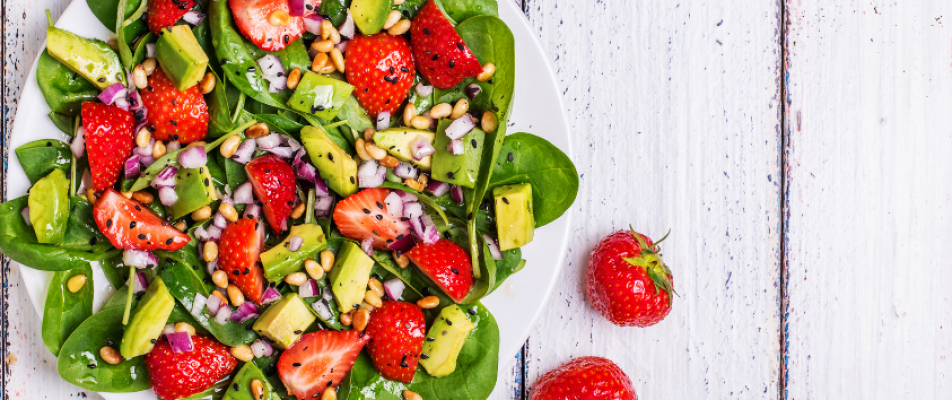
112, 93
193, 17
394, 205
322, 206
283, 152
220, 221
291, 142
261, 348
460, 127
309, 173
342, 46
139, 258
214, 233
213, 304
312, 23
147, 161
193, 157
132, 166
347, 29
78, 146
406, 196
168, 330
212, 266
224, 314
269, 142
370, 174
367, 245
473, 90
298, 158
245, 151
167, 196
383, 120
427, 233
437, 188
244, 194
406, 171
273, 72
198, 305
25, 213
165, 178
412, 210
296, 8
244, 312
150, 50
404, 244
432, 122
252, 211
145, 151
295, 243
420, 148
456, 147
270, 295
456, 192
173, 145
323, 310
180, 342
328, 293
201, 234
394, 288
122, 102
423, 89
308, 289
140, 284
493, 248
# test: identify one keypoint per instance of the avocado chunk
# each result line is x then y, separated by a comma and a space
334, 164
148, 320
320, 95
444, 341
91, 59
239, 389
280, 261
462, 169
350, 276
397, 142
514, 220
284, 322
370, 15
49, 207
181, 57
195, 190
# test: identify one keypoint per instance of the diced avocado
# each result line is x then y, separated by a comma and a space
370, 15
514, 220
148, 320
444, 341
49, 207
350, 276
92, 59
397, 142
333, 162
195, 190
279, 261
241, 384
181, 57
284, 321
320, 95
462, 169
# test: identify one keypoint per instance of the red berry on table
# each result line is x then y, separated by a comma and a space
267, 23
180, 375
364, 215
239, 250
397, 331
447, 265
439, 52
381, 69
627, 282
165, 13
109, 141
273, 182
585, 378
319, 360
130, 225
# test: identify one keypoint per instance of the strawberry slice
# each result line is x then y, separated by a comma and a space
239, 250
129, 225
266, 23
273, 182
447, 265
397, 331
440, 54
173, 114
180, 375
381, 69
109, 141
165, 13
364, 215
319, 360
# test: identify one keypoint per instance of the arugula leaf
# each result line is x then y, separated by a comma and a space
64, 311
79, 361
40, 157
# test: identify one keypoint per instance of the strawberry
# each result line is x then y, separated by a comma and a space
364, 215
180, 375
273, 181
130, 225
627, 282
174, 115
165, 13
447, 265
109, 141
266, 23
585, 378
319, 360
381, 69
239, 250
440, 54
397, 331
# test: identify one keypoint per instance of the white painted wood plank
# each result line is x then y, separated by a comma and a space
675, 112
870, 179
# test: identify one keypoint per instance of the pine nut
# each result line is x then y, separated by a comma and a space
143, 197
327, 260
257, 130
326, 27
196, 143
361, 147
127, 195
377, 287
320, 61
399, 28
91, 196
180, 226
296, 279
230, 146
294, 77
158, 149
375, 151
328, 69
369, 135
346, 319
408, 113
329, 394
220, 278
76, 283
314, 269
489, 122
234, 294
279, 18
372, 298
423, 179
488, 70
216, 293
210, 253
412, 184
398, 2
110, 355
441, 111
208, 83
338, 58
428, 302
202, 214
461, 107
364, 306
322, 46
402, 260
139, 77
257, 390
148, 66
242, 353
297, 211
389, 161
392, 19
335, 37
185, 327
420, 122
228, 211
143, 137
361, 318
411, 395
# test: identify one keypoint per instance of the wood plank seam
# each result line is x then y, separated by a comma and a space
784, 206
4, 261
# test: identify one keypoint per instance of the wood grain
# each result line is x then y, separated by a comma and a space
870, 89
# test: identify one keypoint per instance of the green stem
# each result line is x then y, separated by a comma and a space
49, 17
72, 176
137, 14
239, 107
125, 314
334, 125
211, 146
309, 211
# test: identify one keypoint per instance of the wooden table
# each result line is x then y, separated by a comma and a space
799, 152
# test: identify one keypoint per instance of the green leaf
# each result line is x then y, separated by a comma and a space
63, 89
40, 157
461, 10
79, 362
336, 10
242, 382
63, 122
64, 311
106, 12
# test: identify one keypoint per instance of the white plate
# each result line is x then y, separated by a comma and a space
538, 109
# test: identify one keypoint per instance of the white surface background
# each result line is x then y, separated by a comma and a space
799, 150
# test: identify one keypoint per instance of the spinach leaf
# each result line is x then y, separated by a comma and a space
63, 122
336, 10
242, 381
116, 273
40, 157
118, 299
203, 34
536, 161
107, 12
141, 53
82, 233
487, 277
235, 173
63, 89
409, 8
293, 56
281, 123
461, 10
511, 263
219, 109
64, 311
79, 361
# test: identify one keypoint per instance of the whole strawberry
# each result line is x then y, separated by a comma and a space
440, 54
180, 375
381, 69
585, 378
165, 13
174, 115
397, 331
109, 141
627, 282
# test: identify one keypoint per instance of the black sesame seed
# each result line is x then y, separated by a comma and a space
450, 323
435, 57
168, 241
153, 341
237, 387
132, 225
379, 217
108, 223
505, 200
473, 142
424, 356
452, 64
455, 271
510, 157
331, 157
142, 237
426, 31
449, 175
91, 365
101, 79
472, 311
251, 69
298, 332
366, 211
429, 339
405, 69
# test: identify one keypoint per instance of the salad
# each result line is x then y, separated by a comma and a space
293, 198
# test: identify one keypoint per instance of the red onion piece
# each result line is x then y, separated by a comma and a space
423, 89
261, 348
426, 232
295, 243
473, 90
460, 127
406, 196
456, 192
270, 295
394, 288
147, 161
269, 142
283, 152
370, 174
145, 151
167, 196
25, 213
308, 289
78, 146
493, 248
173, 145
193, 157
455, 147
244, 312
412, 210
420, 148
426, 114
169, 329
253, 211
245, 151
180, 342
342, 46
312, 23
201, 234
322, 206
224, 314
114, 92
132, 167
140, 284
394, 205
404, 244
323, 310
212, 266
139, 258
347, 29
367, 245
198, 305
406, 171
292, 143
328, 294
274, 72
437, 188
244, 194
150, 50
214, 233
296, 8
165, 178
220, 221
383, 120
213, 304
193, 17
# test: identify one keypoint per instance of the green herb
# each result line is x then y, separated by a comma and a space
40, 157
64, 311
79, 362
